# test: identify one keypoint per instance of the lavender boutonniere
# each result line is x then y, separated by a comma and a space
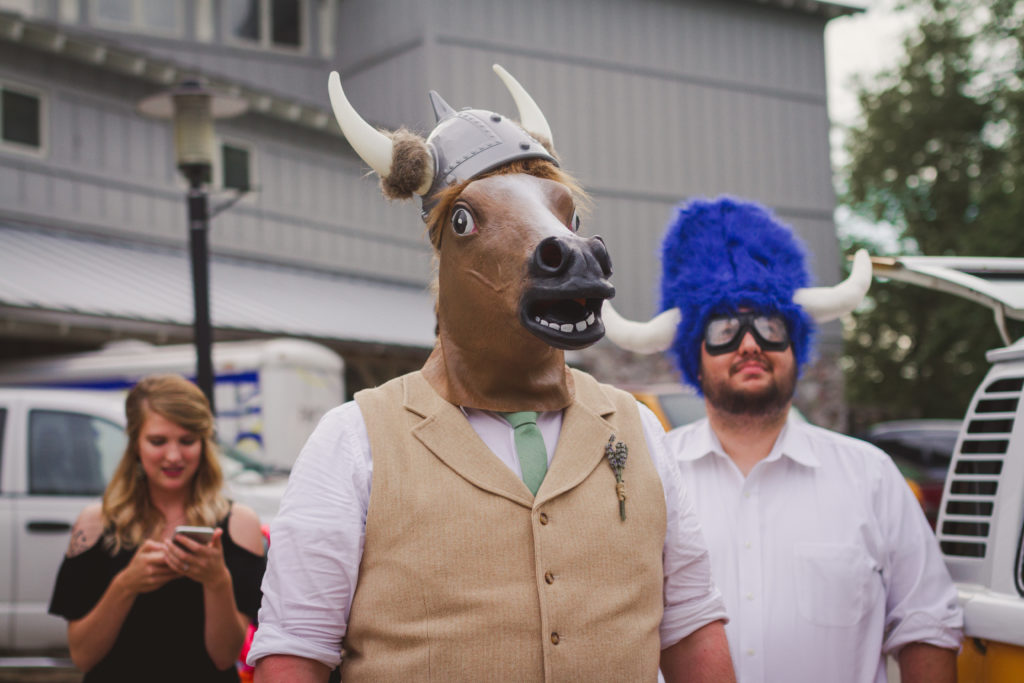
616, 454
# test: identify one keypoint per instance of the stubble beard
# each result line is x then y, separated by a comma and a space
770, 401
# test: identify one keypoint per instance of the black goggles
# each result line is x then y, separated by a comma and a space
724, 333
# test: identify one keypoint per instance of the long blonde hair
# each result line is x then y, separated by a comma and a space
129, 515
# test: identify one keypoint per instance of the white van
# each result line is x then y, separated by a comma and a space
981, 516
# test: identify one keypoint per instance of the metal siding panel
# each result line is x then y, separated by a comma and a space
60, 131
63, 197
372, 28
711, 118
619, 81
10, 182
136, 139
392, 92
741, 168
771, 120
119, 127
622, 224
635, 156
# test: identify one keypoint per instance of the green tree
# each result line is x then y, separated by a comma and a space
937, 155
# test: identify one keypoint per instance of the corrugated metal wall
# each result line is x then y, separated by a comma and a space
109, 171
650, 101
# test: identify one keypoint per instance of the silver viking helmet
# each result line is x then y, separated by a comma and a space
463, 144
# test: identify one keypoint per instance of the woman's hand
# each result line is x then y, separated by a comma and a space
148, 569
223, 626
201, 562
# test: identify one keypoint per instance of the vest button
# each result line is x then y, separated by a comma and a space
543, 518
554, 638
549, 577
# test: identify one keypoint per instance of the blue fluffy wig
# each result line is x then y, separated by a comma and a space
719, 256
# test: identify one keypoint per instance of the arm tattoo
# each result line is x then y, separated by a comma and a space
79, 542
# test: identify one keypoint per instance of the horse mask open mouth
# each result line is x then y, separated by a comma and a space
566, 287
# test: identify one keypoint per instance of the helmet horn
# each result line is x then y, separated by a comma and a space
531, 118
651, 337
828, 303
821, 303
372, 146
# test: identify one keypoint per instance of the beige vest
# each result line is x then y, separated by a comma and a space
466, 576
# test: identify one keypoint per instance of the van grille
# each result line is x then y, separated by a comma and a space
1002, 405
966, 520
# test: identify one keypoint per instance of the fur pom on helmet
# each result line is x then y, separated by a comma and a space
724, 254
545, 143
410, 161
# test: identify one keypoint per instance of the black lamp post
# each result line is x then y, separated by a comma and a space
193, 107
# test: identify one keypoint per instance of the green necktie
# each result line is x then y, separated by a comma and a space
533, 454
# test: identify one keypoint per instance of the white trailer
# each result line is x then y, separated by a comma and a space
269, 394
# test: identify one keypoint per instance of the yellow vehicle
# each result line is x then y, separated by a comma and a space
981, 517
673, 404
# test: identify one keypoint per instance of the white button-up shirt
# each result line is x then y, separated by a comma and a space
317, 537
823, 555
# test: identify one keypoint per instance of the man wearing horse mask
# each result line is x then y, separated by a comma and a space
495, 515
825, 559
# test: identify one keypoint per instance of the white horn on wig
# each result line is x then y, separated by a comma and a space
373, 147
828, 303
531, 118
652, 336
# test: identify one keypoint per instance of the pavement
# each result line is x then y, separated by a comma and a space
34, 675
38, 670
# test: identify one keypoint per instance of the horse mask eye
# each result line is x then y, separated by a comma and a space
462, 222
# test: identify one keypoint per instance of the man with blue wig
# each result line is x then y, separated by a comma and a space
825, 559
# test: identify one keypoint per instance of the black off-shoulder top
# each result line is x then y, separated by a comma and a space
162, 636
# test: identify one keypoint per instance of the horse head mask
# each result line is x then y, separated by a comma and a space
516, 284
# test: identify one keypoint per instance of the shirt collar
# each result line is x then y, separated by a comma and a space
704, 442
792, 443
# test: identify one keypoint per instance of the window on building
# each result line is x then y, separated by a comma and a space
24, 7
151, 16
265, 23
20, 119
235, 168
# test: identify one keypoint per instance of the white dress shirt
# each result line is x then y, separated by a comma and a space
823, 555
317, 537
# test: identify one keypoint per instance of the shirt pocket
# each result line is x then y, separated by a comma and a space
836, 583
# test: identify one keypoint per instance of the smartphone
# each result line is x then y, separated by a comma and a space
200, 534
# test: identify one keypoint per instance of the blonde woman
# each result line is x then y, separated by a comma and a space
143, 603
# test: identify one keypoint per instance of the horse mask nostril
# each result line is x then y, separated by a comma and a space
600, 252
551, 254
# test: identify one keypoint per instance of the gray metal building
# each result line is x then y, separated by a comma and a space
650, 102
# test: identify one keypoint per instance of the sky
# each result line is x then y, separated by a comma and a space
861, 44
